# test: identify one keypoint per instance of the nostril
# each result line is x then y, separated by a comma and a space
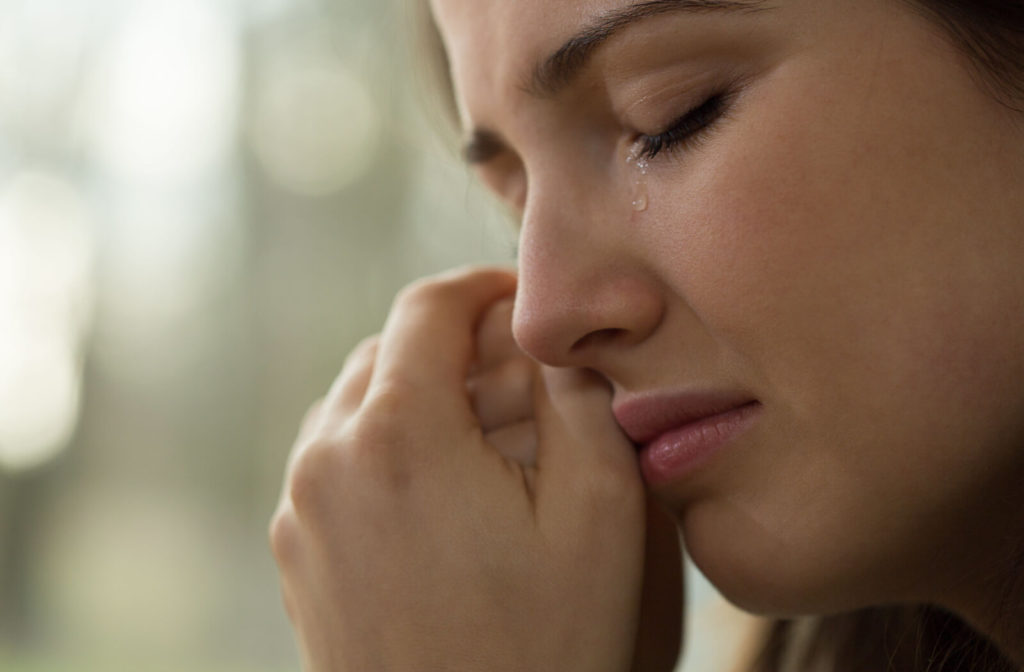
598, 337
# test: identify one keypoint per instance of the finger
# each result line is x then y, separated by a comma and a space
428, 340
349, 388
342, 399
516, 442
586, 465
495, 343
310, 423
576, 425
502, 395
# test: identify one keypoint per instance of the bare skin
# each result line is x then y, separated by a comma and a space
838, 238
422, 527
843, 243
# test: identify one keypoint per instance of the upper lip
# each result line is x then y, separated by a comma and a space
646, 417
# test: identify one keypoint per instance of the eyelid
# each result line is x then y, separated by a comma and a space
687, 128
666, 87
716, 102
646, 102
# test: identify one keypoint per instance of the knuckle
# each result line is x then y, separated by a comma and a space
312, 476
371, 449
471, 272
283, 536
364, 349
376, 452
311, 417
450, 284
376, 446
388, 403
423, 291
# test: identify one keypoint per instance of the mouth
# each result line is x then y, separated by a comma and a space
676, 433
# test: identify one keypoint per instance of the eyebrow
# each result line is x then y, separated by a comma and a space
562, 67
558, 71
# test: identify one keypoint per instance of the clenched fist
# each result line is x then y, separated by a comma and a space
452, 505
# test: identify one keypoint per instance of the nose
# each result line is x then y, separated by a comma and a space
586, 292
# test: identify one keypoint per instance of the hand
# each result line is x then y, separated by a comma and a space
407, 542
499, 386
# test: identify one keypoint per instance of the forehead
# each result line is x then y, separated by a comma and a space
494, 45
502, 51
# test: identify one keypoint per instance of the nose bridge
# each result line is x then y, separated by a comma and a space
567, 228
579, 276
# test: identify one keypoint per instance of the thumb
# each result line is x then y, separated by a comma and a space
586, 466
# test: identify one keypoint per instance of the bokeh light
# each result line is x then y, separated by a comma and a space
315, 128
166, 92
45, 303
204, 204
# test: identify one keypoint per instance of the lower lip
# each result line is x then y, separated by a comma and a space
679, 452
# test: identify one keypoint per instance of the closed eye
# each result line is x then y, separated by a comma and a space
686, 130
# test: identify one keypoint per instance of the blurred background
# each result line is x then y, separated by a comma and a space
203, 205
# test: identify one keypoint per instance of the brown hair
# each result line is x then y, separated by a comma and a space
991, 34
888, 639
909, 638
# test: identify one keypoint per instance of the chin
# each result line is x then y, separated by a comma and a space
766, 576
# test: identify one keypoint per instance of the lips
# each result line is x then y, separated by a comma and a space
676, 434
645, 418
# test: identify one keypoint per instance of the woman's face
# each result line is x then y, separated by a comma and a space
835, 229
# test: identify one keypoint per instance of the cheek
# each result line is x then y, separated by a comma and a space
873, 298
755, 238
814, 244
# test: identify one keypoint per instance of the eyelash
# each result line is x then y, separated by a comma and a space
687, 129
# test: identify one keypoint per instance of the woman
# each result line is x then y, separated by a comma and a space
770, 273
